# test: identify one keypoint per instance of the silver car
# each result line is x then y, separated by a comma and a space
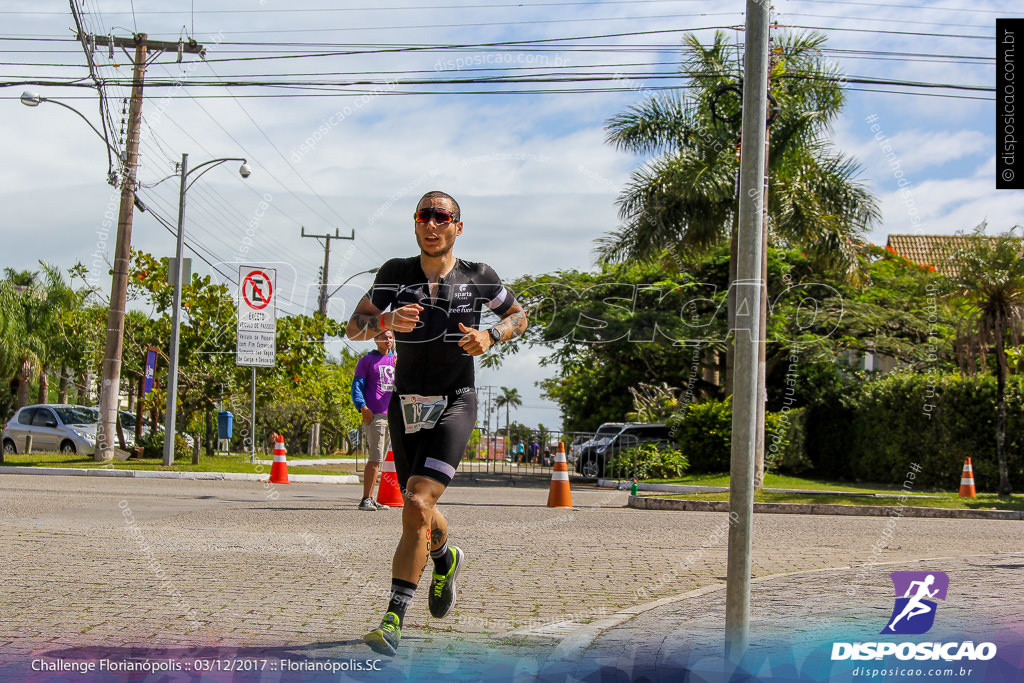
53, 427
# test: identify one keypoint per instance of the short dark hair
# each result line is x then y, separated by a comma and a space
435, 194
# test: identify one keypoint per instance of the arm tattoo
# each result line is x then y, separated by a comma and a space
368, 324
513, 325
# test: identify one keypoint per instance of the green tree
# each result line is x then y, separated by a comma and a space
683, 199
990, 281
33, 309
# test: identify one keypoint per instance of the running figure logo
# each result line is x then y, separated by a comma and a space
914, 613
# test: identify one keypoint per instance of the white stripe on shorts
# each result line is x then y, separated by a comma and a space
440, 466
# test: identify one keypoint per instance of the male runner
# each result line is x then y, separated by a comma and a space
435, 301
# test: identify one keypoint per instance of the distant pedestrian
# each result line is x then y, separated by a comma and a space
372, 385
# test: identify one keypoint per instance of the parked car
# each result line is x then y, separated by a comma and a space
54, 427
602, 449
603, 433
66, 428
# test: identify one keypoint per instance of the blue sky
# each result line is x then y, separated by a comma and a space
535, 179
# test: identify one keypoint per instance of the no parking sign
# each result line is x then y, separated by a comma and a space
257, 317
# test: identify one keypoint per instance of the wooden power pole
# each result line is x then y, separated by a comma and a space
110, 385
322, 300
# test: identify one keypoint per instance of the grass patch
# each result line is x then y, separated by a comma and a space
984, 501
237, 463
779, 481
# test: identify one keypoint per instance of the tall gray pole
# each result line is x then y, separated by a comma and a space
172, 359
252, 429
748, 331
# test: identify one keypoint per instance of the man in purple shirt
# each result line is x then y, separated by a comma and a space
371, 392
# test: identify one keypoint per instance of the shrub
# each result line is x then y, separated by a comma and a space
153, 447
648, 461
704, 434
874, 431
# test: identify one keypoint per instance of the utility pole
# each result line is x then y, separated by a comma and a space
324, 297
748, 331
110, 384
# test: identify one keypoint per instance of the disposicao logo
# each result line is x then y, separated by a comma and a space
914, 614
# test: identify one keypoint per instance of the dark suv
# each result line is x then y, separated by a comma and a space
598, 453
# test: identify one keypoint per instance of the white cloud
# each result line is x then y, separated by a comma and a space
536, 180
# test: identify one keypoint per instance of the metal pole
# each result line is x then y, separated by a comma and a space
747, 330
252, 429
172, 359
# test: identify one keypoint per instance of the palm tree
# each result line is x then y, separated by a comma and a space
684, 199
508, 398
22, 346
33, 340
990, 280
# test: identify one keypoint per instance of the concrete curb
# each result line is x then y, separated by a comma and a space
650, 503
147, 474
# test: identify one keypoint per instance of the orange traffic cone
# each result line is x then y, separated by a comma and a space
388, 492
560, 496
967, 481
279, 470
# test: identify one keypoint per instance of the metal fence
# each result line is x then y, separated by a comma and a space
496, 454
531, 454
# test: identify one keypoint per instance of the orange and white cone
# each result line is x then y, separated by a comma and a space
560, 496
388, 493
279, 470
967, 481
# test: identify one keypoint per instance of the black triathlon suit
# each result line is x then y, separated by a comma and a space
433, 407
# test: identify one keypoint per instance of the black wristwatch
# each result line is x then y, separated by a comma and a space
495, 336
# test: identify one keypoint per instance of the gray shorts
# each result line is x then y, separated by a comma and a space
378, 438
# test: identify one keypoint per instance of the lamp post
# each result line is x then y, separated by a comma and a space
364, 272
33, 99
113, 344
172, 360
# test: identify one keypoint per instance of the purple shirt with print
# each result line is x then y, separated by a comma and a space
379, 372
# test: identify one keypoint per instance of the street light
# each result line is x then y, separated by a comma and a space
172, 362
114, 341
33, 99
371, 270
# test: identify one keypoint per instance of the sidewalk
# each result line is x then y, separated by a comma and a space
795, 619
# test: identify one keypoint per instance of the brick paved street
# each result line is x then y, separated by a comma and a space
130, 566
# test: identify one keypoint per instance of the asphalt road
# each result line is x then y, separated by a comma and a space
130, 568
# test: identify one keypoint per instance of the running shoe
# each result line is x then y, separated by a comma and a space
441, 597
368, 504
380, 506
384, 639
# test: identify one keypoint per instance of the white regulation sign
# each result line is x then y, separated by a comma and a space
257, 317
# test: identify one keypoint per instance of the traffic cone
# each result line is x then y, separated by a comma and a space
279, 470
388, 492
560, 496
967, 481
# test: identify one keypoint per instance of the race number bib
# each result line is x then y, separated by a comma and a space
422, 412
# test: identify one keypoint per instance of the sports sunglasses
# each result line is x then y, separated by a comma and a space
439, 216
